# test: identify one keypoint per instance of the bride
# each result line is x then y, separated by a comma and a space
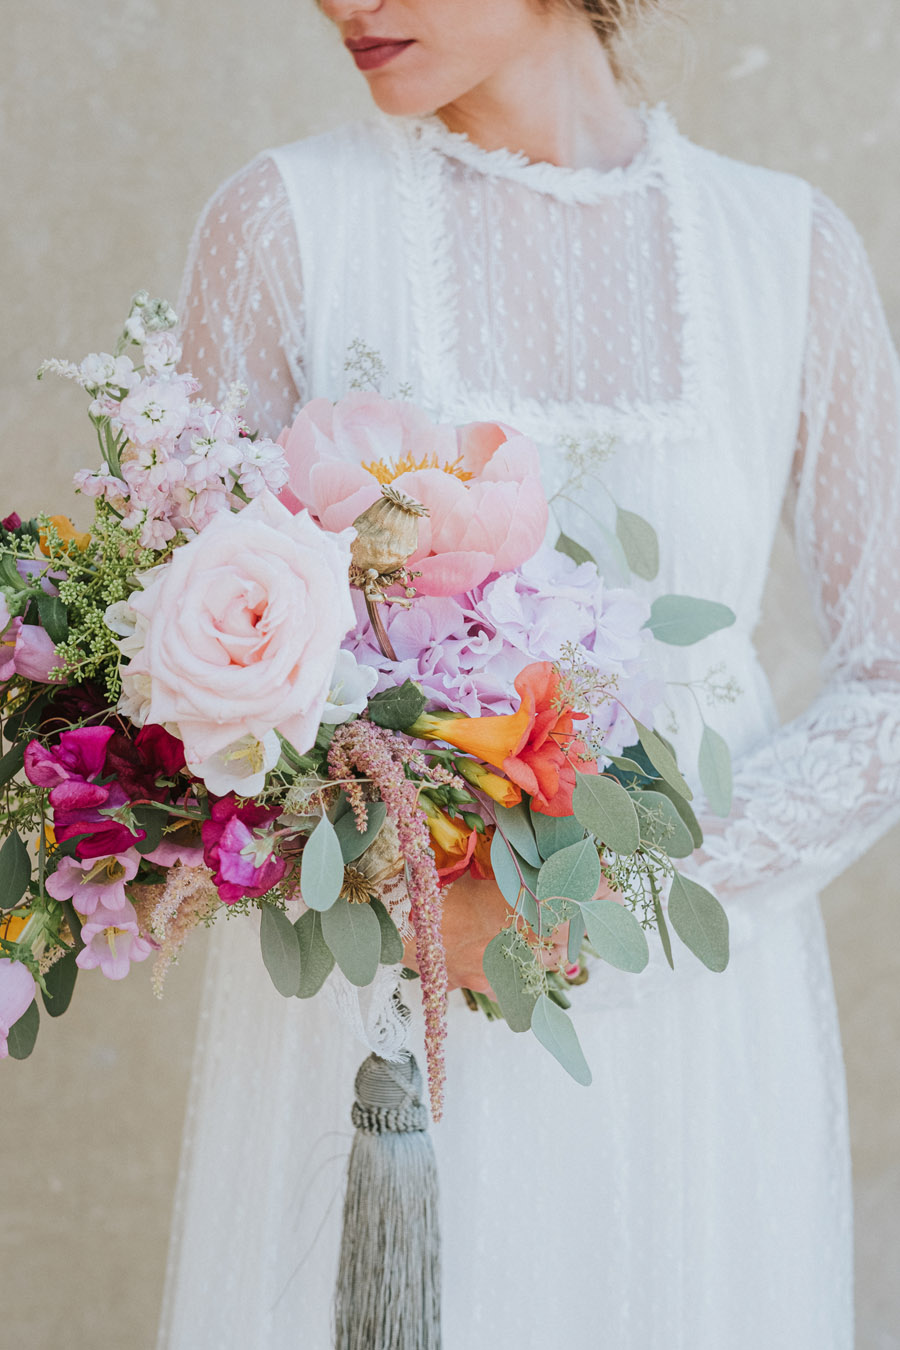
704, 338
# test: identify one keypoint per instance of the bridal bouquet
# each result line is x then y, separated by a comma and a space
322, 679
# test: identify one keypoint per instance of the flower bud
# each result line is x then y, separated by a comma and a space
387, 532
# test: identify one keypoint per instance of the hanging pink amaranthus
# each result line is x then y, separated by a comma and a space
380, 756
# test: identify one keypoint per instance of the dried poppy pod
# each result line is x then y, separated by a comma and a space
387, 533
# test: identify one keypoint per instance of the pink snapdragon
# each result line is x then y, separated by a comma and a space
487, 510
17, 991
112, 941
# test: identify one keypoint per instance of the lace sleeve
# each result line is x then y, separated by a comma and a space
241, 300
814, 796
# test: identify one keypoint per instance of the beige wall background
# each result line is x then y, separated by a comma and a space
117, 119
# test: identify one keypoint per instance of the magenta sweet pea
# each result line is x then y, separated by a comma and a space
487, 511
238, 852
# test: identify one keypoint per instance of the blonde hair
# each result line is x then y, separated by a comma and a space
618, 23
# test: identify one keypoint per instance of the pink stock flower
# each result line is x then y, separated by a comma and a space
112, 941
17, 990
156, 410
243, 626
238, 852
94, 882
481, 484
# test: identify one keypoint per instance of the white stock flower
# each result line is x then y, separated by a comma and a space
103, 372
162, 352
348, 694
240, 767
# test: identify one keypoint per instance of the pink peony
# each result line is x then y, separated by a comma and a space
17, 990
481, 484
237, 851
243, 628
112, 941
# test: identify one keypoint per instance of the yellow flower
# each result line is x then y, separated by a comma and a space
67, 533
491, 784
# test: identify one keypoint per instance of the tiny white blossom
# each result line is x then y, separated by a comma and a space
240, 767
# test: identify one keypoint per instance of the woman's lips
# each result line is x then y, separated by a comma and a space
369, 53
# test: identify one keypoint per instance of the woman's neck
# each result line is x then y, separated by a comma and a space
557, 104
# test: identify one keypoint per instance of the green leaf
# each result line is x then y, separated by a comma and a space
615, 935
507, 961
700, 922
662, 826
715, 771
11, 763
682, 620
683, 808
15, 871
573, 873
508, 879
280, 950
322, 867
23, 1034
397, 708
572, 549
555, 1031
662, 928
60, 984
354, 842
353, 934
639, 543
662, 759
605, 809
316, 961
577, 931
391, 941
515, 822
54, 617
555, 832
151, 820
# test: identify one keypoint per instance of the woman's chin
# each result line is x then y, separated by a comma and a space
402, 98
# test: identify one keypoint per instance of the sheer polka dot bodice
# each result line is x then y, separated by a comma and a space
717, 326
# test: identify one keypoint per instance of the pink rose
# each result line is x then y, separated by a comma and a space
481, 484
243, 628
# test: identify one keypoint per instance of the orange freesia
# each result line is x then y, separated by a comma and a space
11, 926
491, 784
480, 865
67, 533
452, 842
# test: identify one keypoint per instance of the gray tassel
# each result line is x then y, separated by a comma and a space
388, 1293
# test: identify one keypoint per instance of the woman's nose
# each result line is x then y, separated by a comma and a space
342, 11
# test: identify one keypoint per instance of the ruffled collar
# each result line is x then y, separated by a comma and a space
568, 184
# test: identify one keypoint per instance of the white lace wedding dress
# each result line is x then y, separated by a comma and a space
721, 324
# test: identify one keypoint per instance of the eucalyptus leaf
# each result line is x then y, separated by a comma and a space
353, 934
555, 1031
60, 984
397, 708
662, 759
391, 941
577, 931
639, 543
683, 808
509, 876
54, 617
572, 549
555, 832
322, 867
354, 842
23, 1034
715, 771
662, 928
617, 557
12, 763
15, 871
573, 873
515, 823
682, 620
316, 960
662, 826
700, 922
615, 935
152, 822
507, 961
605, 809
280, 950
